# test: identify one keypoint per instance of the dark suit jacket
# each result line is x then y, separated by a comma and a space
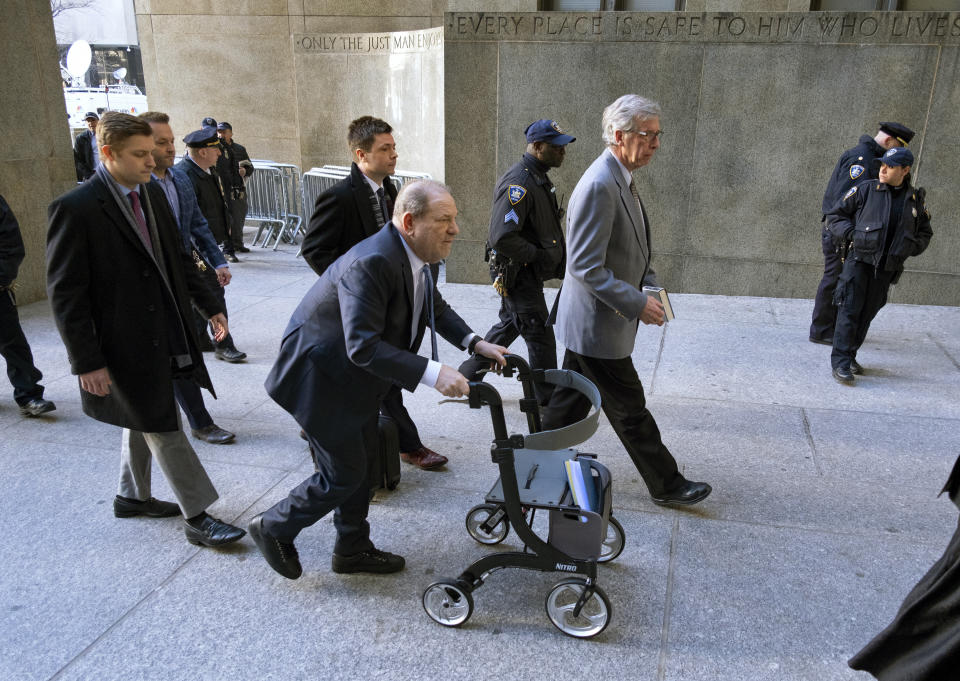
113, 308
953, 483
83, 155
343, 217
194, 229
210, 198
349, 339
11, 245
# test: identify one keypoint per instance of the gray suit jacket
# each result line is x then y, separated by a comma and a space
608, 262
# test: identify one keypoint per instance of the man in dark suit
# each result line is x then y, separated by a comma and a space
350, 211
85, 150
120, 285
353, 336
602, 302
922, 643
22, 372
199, 242
203, 150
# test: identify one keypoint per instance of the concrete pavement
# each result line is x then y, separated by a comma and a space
824, 514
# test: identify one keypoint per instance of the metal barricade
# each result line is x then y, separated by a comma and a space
264, 189
315, 182
318, 180
400, 177
335, 169
282, 184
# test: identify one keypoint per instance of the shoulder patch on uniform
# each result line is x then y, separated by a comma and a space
515, 193
851, 192
511, 217
856, 171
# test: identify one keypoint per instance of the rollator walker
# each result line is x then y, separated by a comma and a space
534, 476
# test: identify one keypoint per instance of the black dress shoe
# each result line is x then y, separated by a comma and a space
213, 434
152, 508
37, 406
242, 249
686, 494
855, 368
281, 556
371, 560
211, 532
821, 341
843, 375
231, 355
230, 257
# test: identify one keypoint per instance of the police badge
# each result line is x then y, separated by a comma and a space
856, 171
515, 194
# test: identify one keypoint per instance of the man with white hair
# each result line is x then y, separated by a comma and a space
602, 302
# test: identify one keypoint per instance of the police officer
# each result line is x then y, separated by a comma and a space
237, 167
525, 248
887, 222
224, 174
203, 150
855, 165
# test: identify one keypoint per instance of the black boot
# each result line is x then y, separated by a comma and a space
227, 351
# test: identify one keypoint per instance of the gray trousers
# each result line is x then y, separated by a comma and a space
179, 463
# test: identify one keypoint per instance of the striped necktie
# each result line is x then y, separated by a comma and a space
428, 301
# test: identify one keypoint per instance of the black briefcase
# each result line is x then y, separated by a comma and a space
385, 468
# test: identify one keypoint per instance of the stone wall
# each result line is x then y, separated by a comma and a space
396, 76
290, 76
757, 109
232, 60
36, 160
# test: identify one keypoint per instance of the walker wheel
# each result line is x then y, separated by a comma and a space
593, 617
478, 515
448, 603
613, 543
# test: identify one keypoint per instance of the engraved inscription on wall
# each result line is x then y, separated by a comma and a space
802, 27
369, 43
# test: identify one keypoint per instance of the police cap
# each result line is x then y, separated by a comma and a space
546, 130
204, 137
90, 114
208, 122
898, 156
899, 131
223, 125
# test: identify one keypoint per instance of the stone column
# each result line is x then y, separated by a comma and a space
36, 159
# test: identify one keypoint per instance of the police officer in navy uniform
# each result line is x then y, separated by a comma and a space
203, 151
223, 172
240, 167
887, 222
525, 249
855, 165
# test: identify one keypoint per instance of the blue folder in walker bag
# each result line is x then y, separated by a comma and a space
582, 487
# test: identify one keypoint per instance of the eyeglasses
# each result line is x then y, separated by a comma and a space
655, 134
